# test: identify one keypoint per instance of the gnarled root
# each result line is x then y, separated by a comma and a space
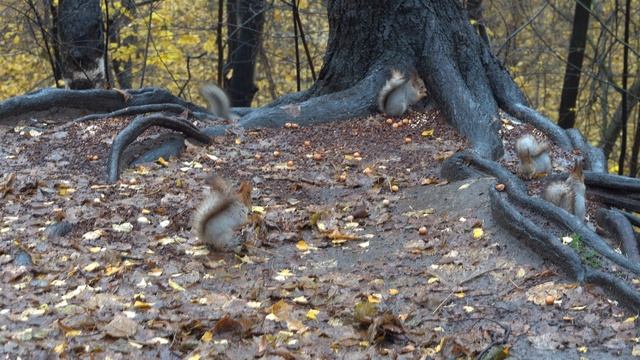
505, 209
137, 127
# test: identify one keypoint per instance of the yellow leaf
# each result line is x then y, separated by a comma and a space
73, 333
302, 245
433, 280
477, 233
162, 162
142, 170
312, 314
374, 298
91, 267
582, 349
284, 274
175, 286
194, 357
59, 349
207, 337
427, 133
257, 209
631, 319
142, 305
188, 39
459, 295
111, 269
393, 292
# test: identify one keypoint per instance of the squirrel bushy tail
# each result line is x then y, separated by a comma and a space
221, 213
217, 100
400, 92
534, 157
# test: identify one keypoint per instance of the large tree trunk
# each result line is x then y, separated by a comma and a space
435, 39
569, 97
245, 20
82, 43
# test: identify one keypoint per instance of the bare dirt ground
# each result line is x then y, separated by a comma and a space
330, 270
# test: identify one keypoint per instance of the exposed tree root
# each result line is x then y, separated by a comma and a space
633, 219
520, 225
593, 157
618, 227
612, 182
356, 101
528, 115
93, 100
149, 150
137, 127
616, 287
616, 199
144, 109
544, 244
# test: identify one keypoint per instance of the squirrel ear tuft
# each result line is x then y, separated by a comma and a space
578, 166
244, 192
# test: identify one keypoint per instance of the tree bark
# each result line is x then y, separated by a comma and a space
246, 18
571, 85
436, 40
81, 42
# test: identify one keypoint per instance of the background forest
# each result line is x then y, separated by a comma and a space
174, 44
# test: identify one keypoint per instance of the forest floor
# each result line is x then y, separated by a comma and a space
334, 267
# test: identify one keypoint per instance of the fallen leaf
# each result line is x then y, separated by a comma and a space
121, 327
312, 314
175, 286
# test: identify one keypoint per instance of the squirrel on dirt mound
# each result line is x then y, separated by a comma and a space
221, 213
400, 92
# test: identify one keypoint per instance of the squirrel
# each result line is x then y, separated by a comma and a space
399, 92
217, 101
221, 213
534, 156
569, 194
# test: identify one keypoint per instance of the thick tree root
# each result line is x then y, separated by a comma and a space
616, 199
517, 194
93, 100
144, 109
149, 150
616, 287
612, 182
548, 246
618, 227
633, 219
356, 101
593, 157
137, 127
528, 115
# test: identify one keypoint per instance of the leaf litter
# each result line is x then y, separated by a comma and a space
356, 248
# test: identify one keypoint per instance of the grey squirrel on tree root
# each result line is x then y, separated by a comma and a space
569, 194
534, 156
217, 101
399, 92
221, 213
